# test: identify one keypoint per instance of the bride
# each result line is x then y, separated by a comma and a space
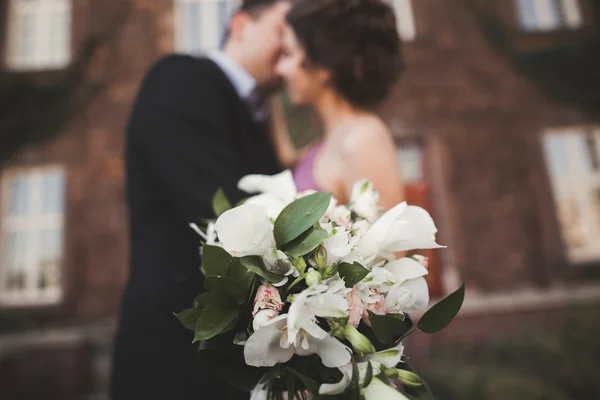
342, 57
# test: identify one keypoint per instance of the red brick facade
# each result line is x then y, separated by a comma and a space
480, 121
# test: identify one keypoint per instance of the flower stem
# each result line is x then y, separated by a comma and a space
298, 280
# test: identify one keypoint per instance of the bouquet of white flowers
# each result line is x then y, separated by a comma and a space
306, 298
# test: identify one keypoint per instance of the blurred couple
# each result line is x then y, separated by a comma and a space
200, 123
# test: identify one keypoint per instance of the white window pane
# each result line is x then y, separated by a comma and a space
571, 221
572, 13
404, 18
410, 164
548, 15
556, 155
52, 192
40, 34
49, 259
18, 195
14, 262
192, 27
526, 13
209, 24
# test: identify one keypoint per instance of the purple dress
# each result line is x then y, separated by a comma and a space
304, 175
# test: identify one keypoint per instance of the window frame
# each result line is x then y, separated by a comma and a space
585, 184
33, 297
558, 8
181, 34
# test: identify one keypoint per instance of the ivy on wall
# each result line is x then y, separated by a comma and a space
567, 71
36, 107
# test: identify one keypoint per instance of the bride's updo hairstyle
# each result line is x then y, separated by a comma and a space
357, 41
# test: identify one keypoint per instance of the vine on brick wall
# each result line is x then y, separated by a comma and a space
36, 107
567, 73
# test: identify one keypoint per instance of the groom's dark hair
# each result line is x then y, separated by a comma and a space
254, 8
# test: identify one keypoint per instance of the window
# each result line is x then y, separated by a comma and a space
573, 159
201, 24
404, 18
548, 15
39, 34
410, 163
31, 241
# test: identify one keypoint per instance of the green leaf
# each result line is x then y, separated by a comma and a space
354, 387
299, 216
215, 260
309, 383
306, 242
188, 318
387, 327
368, 375
409, 378
228, 287
422, 392
227, 362
255, 264
239, 273
205, 299
352, 273
220, 203
215, 317
442, 313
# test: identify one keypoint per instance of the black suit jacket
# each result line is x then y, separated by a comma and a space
189, 134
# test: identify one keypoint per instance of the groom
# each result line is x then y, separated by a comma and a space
196, 125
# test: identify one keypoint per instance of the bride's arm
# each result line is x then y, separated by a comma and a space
287, 153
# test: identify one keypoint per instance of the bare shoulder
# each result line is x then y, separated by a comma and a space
368, 134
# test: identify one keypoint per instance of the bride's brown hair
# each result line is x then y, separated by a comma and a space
356, 40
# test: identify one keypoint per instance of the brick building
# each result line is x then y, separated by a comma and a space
511, 174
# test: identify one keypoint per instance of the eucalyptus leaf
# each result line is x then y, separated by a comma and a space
188, 318
306, 242
220, 203
443, 312
228, 287
215, 317
388, 327
352, 273
299, 216
215, 260
256, 265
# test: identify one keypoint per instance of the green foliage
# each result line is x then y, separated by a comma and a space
536, 364
300, 216
443, 312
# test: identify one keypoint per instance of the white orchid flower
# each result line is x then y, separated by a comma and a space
278, 263
276, 191
262, 318
402, 228
210, 237
271, 345
378, 390
387, 358
364, 200
410, 291
338, 214
309, 304
245, 231
337, 246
